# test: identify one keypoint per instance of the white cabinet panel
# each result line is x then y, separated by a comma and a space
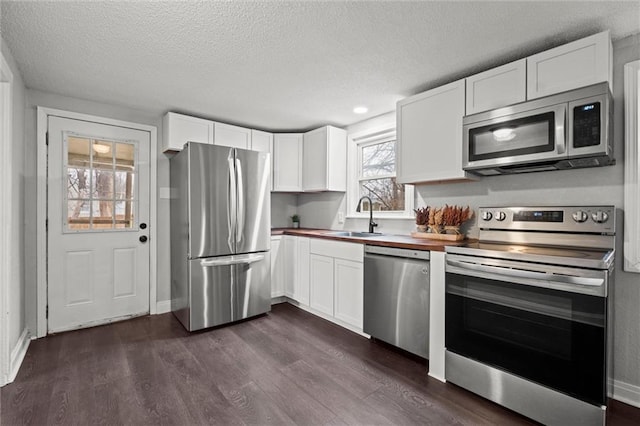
277, 268
287, 162
178, 129
324, 164
232, 136
302, 283
290, 251
321, 280
261, 141
570, 66
497, 87
430, 135
349, 287
343, 250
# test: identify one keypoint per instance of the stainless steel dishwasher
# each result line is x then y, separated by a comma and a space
396, 297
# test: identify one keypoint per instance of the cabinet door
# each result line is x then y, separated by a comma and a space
232, 136
290, 260
497, 87
321, 283
429, 132
287, 162
179, 129
314, 160
261, 141
277, 279
301, 285
349, 286
570, 66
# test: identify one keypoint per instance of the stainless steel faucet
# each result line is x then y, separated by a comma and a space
372, 224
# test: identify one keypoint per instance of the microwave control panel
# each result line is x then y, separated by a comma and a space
586, 125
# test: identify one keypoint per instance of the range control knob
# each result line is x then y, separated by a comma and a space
599, 216
580, 216
486, 215
500, 216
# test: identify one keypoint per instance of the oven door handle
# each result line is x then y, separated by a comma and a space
584, 285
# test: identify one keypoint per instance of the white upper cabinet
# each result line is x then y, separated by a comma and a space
497, 87
429, 129
232, 136
261, 141
287, 162
570, 66
324, 164
178, 129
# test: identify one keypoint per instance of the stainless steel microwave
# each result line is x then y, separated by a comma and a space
569, 130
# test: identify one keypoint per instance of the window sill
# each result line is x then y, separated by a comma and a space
380, 217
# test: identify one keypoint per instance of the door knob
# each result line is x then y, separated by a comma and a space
143, 239
143, 226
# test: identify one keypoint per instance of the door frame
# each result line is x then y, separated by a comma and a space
6, 216
41, 205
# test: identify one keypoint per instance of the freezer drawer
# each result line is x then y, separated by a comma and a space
396, 298
227, 289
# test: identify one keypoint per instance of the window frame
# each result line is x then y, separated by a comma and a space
355, 142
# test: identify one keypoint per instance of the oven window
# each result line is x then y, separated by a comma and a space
527, 135
551, 337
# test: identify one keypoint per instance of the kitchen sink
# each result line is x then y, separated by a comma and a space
353, 234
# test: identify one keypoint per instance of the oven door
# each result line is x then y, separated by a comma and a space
521, 138
519, 324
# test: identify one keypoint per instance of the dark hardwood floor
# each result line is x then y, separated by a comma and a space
287, 367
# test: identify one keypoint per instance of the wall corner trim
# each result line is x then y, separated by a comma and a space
18, 353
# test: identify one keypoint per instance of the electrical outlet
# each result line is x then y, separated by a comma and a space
340, 217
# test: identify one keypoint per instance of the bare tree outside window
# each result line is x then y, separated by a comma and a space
100, 184
378, 177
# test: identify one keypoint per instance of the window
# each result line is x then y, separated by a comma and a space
100, 191
373, 162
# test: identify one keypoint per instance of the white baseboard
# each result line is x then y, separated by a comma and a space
627, 393
18, 353
163, 306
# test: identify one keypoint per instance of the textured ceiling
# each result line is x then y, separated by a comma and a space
283, 65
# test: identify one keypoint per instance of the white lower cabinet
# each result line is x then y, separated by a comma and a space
277, 268
337, 281
296, 268
301, 284
348, 288
321, 280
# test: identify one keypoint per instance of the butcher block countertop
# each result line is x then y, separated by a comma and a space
386, 240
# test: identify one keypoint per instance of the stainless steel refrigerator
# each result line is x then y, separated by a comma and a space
220, 235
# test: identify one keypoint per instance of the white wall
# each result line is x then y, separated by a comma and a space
16, 300
584, 186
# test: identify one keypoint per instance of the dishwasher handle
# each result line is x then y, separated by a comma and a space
396, 252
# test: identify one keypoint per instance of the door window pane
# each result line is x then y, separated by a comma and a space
101, 176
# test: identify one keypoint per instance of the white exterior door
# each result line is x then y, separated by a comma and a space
98, 211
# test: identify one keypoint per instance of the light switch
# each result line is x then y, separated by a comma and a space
165, 193
340, 217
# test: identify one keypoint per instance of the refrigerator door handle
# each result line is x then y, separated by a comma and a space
241, 208
232, 205
243, 259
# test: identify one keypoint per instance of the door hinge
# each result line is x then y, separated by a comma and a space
47, 314
46, 225
46, 138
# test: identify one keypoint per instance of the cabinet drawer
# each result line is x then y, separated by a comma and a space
337, 249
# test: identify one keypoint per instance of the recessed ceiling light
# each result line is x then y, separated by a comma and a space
360, 109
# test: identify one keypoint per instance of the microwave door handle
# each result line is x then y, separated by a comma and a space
561, 123
561, 282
